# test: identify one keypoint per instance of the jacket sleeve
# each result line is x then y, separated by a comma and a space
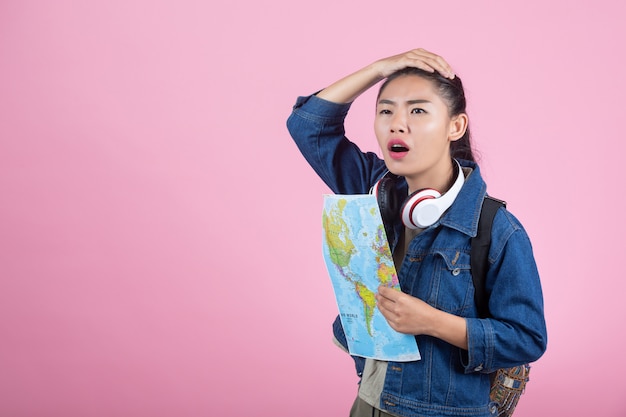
516, 331
317, 127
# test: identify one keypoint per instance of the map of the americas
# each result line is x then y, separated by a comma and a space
359, 260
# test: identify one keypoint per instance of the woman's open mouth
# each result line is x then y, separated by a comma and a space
397, 148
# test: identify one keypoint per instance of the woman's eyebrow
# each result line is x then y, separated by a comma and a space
415, 101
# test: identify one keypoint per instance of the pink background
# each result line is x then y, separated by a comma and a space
160, 247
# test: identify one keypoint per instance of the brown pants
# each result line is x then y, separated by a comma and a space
362, 409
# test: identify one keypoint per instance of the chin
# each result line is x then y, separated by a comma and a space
396, 167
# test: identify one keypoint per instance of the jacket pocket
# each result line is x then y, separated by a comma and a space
452, 289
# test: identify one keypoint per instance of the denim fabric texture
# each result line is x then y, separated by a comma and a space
447, 381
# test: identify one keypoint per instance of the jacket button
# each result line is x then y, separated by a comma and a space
456, 272
478, 368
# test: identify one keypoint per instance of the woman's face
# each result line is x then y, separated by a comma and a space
414, 131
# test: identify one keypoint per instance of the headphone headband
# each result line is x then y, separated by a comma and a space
420, 209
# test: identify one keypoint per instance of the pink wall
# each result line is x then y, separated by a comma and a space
160, 234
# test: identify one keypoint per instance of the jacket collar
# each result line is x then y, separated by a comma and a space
464, 213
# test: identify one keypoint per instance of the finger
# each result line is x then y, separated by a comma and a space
389, 293
433, 61
381, 302
436, 61
386, 308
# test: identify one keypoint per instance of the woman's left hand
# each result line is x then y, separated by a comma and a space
410, 315
404, 313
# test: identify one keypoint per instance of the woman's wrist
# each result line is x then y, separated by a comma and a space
347, 89
450, 328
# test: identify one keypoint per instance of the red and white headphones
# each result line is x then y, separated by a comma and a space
421, 208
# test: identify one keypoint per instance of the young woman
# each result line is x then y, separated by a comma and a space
422, 128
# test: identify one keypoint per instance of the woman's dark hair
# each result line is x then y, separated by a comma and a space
452, 92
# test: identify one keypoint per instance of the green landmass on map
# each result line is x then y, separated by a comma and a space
340, 246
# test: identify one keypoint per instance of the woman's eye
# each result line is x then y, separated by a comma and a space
417, 111
384, 111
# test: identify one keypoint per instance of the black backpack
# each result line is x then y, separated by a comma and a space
507, 385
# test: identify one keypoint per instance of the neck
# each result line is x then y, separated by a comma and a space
438, 178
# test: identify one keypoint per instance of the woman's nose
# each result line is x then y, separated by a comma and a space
398, 123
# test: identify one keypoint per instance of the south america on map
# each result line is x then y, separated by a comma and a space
358, 259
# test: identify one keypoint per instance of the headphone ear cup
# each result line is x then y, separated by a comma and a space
417, 212
388, 201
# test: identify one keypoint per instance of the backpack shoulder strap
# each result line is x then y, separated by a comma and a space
479, 253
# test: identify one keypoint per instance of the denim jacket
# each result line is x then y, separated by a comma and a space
447, 381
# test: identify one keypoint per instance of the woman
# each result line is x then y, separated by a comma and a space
421, 126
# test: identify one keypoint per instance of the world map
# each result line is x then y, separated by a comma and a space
358, 260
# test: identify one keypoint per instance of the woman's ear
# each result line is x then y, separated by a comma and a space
458, 126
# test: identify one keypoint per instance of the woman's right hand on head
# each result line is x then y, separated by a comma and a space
418, 58
349, 88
